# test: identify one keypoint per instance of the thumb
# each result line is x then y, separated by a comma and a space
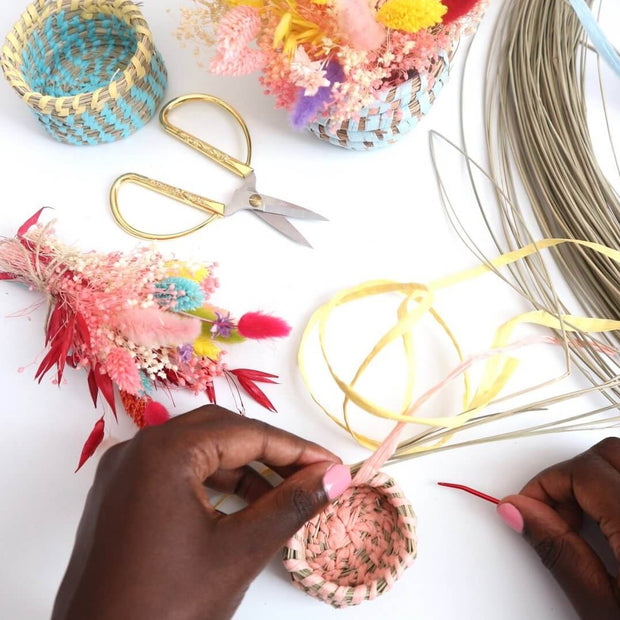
569, 558
264, 526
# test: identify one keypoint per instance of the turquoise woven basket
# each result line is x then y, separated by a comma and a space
88, 69
398, 110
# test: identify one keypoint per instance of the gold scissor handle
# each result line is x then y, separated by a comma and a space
215, 209
243, 169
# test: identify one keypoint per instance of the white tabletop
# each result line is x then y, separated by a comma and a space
386, 221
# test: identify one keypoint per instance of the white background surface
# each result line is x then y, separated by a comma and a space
385, 222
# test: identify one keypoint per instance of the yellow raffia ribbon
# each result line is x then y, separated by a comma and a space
418, 301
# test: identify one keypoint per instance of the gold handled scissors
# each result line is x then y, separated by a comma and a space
272, 210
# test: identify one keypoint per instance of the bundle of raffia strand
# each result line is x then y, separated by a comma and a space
539, 145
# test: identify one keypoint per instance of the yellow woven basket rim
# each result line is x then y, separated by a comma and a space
39, 11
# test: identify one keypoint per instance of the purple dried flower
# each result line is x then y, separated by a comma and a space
306, 108
222, 326
185, 352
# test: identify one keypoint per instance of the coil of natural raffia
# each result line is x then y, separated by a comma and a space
538, 140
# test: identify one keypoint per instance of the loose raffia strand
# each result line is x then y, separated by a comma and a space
478, 404
536, 125
512, 109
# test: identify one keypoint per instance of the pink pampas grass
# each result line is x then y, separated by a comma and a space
233, 55
152, 327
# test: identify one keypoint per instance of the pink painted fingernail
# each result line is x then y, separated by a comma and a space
336, 480
511, 517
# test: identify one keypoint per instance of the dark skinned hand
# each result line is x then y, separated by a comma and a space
549, 512
150, 545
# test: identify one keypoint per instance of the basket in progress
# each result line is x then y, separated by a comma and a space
398, 110
357, 547
88, 69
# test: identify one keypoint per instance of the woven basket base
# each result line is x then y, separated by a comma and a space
397, 111
357, 547
88, 69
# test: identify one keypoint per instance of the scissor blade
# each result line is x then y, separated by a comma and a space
282, 225
282, 207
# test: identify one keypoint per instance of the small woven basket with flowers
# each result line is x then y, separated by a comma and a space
356, 73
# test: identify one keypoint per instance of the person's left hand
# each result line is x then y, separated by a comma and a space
150, 545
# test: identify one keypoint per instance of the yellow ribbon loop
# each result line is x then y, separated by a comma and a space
418, 301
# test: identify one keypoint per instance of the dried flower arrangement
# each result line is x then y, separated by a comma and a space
138, 322
337, 61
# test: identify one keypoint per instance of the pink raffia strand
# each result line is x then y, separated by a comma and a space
383, 453
358, 547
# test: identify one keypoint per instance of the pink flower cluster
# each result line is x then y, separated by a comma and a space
136, 322
294, 42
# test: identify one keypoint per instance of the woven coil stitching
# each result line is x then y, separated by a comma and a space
396, 111
88, 69
358, 547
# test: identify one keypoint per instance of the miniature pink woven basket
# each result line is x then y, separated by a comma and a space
357, 547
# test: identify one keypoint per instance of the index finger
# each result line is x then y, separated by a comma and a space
590, 483
220, 439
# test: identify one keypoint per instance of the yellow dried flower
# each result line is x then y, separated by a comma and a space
205, 347
293, 28
283, 29
411, 15
255, 3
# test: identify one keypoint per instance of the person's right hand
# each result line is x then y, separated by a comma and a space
152, 546
549, 512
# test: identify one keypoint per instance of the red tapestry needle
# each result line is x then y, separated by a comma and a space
462, 487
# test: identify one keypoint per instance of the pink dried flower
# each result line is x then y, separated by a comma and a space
307, 74
296, 39
235, 32
210, 283
104, 317
152, 327
458, 9
155, 414
357, 22
258, 325
122, 369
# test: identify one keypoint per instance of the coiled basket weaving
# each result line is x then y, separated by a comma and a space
398, 109
88, 69
358, 547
